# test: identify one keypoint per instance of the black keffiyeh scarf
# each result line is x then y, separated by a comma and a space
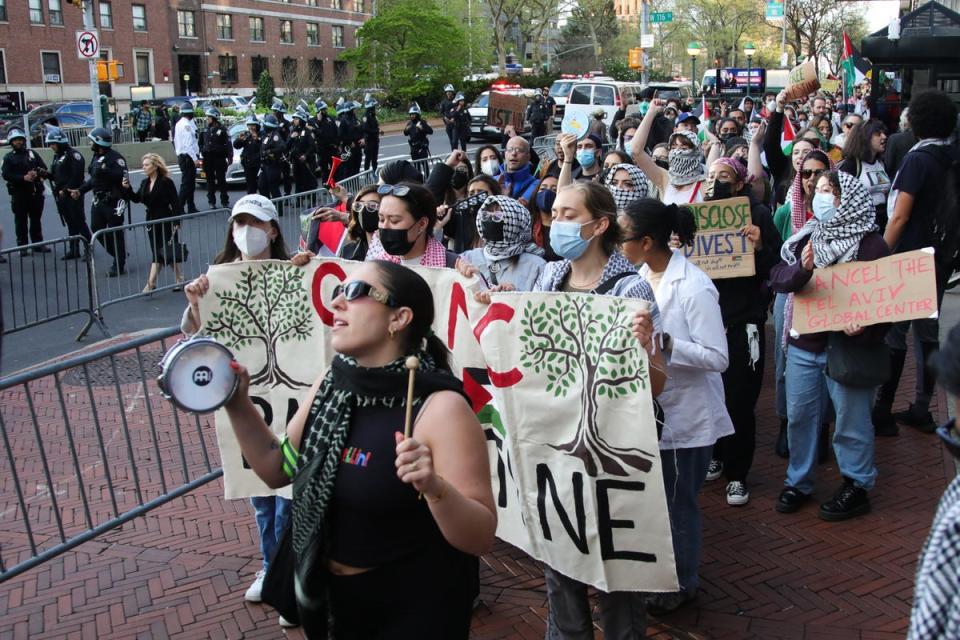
517, 226
686, 165
624, 197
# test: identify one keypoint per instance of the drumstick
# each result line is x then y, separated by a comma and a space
412, 363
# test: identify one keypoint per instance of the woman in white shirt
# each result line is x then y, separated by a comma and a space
682, 182
695, 346
863, 155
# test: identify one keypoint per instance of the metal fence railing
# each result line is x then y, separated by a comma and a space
121, 135
89, 444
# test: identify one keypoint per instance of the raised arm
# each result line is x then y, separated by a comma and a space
568, 143
638, 152
755, 175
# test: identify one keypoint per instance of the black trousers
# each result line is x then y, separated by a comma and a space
303, 177
271, 175
27, 210
103, 215
142, 134
741, 388
250, 175
72, 212
287, 177
216, 170
452, 136
188, 182
417, 153
371, 149
538, 129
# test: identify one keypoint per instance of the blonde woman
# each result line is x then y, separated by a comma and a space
158, 193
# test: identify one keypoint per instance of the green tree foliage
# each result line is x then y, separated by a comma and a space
265, 91
593, 22
409, 49
815, 29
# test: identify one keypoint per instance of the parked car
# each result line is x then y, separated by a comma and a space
37, 122
586, 96
235, 175
667, 90
237, 103
84, 108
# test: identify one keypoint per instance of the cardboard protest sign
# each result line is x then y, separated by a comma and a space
892, 289
593, 506
504, 109
719, 249
802, 81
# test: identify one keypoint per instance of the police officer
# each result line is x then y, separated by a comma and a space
188, 153
371, 133
537, 115
302, 149
217, 154
272, 158
327, 137
417, 132
351, 138
461, 122
249, 143
66, 173
283, 128
446, 106
107, 170
24, 171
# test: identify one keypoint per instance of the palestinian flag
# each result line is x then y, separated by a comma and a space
787, 136
855, 67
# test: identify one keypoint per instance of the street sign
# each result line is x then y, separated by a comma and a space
775, 10
88, 45
661, 16
646, 41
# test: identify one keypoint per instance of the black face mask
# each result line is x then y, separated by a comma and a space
395, 241
663, 163
491, 230
370, 220
725, 136
459, 179
722, 191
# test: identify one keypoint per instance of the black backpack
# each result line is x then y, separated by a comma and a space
946, 217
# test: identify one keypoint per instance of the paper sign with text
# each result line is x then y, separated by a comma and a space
892, 289
719, 248
504, 109
802, 81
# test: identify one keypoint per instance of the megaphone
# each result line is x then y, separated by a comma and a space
337, 161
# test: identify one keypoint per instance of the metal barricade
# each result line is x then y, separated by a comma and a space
291, 208
90, 444
37, 285
544, 142
121, 135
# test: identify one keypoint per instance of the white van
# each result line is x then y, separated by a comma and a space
586, 96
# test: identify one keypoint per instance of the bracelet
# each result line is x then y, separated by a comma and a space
443, 491
290, 457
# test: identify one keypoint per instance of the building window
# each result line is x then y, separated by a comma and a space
36, 11
56, 12
259, 64
139, 17
339, 72
142, 62
187, 24
313, 34
3, 68
338, 37
289, 70
286, 31
311, 3
358, 6
3, 10
256, 30
228, 68
336, 4
316, 71
51, 66
224, 26
106, 15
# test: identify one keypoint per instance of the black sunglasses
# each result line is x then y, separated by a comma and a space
391, 190
806, 174
359, 289
369, 205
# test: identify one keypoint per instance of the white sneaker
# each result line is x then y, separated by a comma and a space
286, 623
715, 470
737, 493
253, 593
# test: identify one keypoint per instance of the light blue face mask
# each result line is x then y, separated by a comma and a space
565, 239
823, 207
586, 157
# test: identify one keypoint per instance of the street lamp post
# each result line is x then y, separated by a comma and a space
693, 50
749, 50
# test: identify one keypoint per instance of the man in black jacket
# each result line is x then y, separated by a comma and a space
302, 149
446, 106
351, 138
273, 151
283, 128
249, 142
23, 171
327, 136
371, 134
417, 132
66, 173
217, 154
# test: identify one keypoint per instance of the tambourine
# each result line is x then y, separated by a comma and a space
195, 375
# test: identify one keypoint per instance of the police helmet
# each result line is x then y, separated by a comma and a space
278, 106
101, 137
213, 112
55, 135
369, 101
449, 88
270, 121
301, 113
414, 108
459, 97
320, 105
13, 134
186, 109
253, 120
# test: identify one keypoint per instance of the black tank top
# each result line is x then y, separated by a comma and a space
375, 518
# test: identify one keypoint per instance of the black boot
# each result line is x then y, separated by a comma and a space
823, 443
74, 252
782, 447
848, 502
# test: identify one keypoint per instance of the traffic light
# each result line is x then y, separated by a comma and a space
635, 60
109, 70
76, 3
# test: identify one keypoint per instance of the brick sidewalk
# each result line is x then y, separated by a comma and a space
180, 572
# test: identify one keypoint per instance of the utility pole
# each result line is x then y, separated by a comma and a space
644, 30
783, 38
88, 25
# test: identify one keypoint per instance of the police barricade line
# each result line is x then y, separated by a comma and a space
294, 208
89, 444
78, 135
37, 285
544, 142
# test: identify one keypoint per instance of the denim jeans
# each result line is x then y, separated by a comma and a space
273, 513
684, 471
853, 434
779, 353
623, 614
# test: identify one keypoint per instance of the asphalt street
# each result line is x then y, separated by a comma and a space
24, 275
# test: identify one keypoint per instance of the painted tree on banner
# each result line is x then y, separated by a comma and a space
269, 305
570, 344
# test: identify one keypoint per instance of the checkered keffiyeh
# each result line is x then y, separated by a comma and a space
798, 205
936, 608
434, 256
517, 226
624, 197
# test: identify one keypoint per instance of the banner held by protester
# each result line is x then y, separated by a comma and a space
504, 109
720, 249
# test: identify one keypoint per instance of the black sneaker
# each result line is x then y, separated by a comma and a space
849, 502
920, 420
782, 447
884, 423
661, 604
791, 499
714, 470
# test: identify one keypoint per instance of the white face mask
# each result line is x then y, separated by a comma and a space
250, 240
490, 167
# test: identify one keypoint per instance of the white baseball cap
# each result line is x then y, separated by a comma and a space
257, 206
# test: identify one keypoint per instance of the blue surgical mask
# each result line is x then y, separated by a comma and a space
823, 207
545, 199
586, 157
565, 239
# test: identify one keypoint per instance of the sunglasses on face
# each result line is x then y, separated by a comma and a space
806, 174
371, 206
391, 190
360, 289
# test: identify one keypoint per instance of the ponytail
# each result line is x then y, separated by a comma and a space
650, 217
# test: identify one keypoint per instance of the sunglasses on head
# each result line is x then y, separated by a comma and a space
370, 205
359, 289
806, 174
391, 190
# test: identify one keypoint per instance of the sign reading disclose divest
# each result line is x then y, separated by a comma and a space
892, 289
553, 378
719, 248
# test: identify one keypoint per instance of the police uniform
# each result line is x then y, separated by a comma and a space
350, 136
272, 159
417, 132
302, 149
284, 130
106, 172
446, 107
66, 172
217, 155
327, 138
371, 139
249, 158
26, 198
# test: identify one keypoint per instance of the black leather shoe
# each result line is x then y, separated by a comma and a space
42, 249
884, 423
920, 420
849, 502
791, 499
782, 447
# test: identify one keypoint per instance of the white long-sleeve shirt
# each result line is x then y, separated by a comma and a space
185, 139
